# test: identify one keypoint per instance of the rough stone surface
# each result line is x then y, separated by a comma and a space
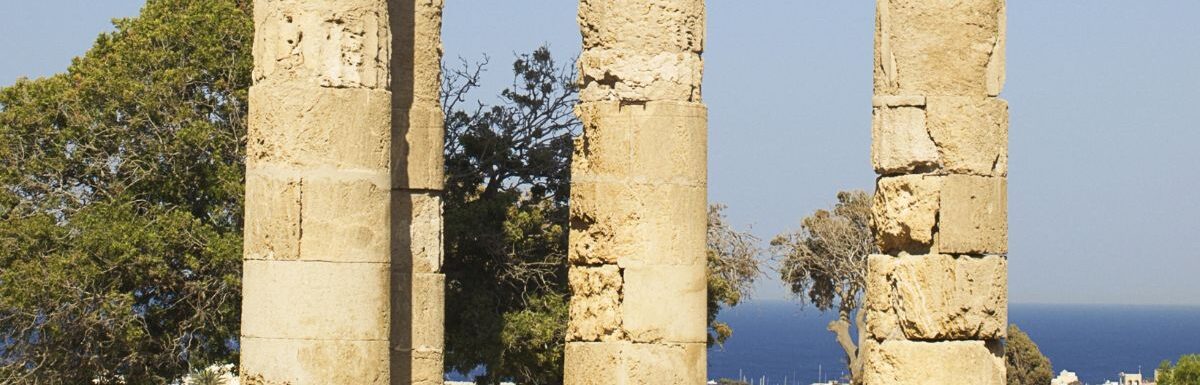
655, 296
309, 126
941, 47
595, 309
272, 218
653, 143
937, 297
417, 231
339, 44
416, 367
974, 215
417, 312
344, 221
418, 149
313, 361
933, 363
625, 363
641, 50
905, 212
971, 134
636, 225
900, 142
308, 300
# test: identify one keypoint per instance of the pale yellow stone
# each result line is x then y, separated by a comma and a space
636, 225
643, 25
655, 297
418, 148
417, 367
905, 211
417, 231
595, 308
933, 363
310, 126
971, 134
900, 143
653, 143
939, 47
937, 297
418, 311
337, 44
616, 75
272, 218
417, 27
313, 362
345, 221
308, 300
974, 215
625, 363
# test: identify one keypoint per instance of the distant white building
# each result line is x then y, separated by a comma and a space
1066, 378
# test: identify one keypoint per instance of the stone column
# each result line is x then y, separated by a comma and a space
344, 172
936, 302
638, 197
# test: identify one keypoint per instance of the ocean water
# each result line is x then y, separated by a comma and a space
780, 340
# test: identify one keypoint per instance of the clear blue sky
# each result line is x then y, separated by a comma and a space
1104, 94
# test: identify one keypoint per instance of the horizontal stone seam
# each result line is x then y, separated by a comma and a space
928, 95
410, 190
325, 172
316, 339
645, 182
321, 261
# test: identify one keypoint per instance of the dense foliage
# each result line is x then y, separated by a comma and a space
1025, 362
120, 202
824, 263
1186, 371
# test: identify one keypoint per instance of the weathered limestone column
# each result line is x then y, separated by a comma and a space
638, 197
936, 304
344, 172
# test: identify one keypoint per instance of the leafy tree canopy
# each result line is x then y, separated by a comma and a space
1025, 362
1186, 371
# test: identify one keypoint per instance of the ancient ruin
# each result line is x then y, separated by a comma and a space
343, 212
936, 303
638, 197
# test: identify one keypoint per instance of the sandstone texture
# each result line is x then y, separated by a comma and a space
936, 303
638, 212
937, 297
343, 195
641, 50
627, 363
933, 363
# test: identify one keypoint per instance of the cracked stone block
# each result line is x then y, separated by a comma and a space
336, 44
345, 221
933, 363
417, 231
974, 215
939, 47
595, 308
593, 363
314, 361
417, 43
937, 297
307, 300
306, 126
636, 224
657, 297
619, 75
418, 311
643, 25
900, 142
905, 211
272, 217
971, 134
655, 143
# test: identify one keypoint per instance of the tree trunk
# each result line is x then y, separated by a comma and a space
841, 330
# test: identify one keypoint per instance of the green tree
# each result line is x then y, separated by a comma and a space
1186, 371
1025, 362
120, 202
824, 263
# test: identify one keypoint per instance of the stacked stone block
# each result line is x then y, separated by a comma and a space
638, 197
343, 206
936, 302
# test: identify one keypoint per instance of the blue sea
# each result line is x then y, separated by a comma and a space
779, 339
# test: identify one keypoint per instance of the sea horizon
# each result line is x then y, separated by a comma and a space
778, 339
